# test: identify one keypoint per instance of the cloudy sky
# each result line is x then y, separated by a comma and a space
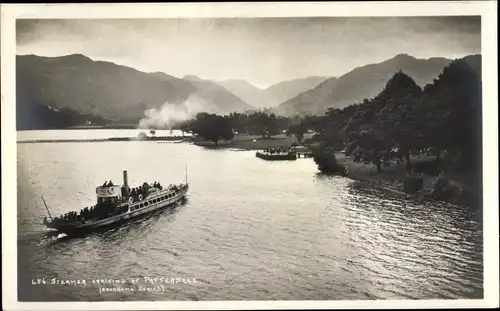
262, 51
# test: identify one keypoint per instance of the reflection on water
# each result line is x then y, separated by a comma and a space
251, 229
429, 246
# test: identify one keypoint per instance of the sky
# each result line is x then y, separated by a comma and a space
262, 51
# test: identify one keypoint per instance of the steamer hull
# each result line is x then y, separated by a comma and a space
117, 220
125, 208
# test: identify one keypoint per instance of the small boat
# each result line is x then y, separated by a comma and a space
117, 204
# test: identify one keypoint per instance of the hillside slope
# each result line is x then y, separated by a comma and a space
362, 82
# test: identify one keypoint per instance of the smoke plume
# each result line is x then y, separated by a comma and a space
170, 114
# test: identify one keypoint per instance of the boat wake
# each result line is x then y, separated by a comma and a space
44, 239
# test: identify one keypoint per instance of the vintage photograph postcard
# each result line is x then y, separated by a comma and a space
249, 155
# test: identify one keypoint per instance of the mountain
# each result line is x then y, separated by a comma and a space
248, 92
360, 83
310, 101
217, 94
110, 90
274, 94
286, 90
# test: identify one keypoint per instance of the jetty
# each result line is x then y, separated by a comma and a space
276, 154
302, 152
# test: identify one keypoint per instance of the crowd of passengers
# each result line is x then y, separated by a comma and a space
143, 190
100, 211
106, 209
278, 150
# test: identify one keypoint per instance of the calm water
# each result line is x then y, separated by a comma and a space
89, 134
251, 230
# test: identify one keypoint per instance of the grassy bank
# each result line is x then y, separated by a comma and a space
393, 176
253, 142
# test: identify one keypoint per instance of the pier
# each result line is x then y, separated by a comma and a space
304, 154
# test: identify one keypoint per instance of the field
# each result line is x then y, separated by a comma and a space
253, 142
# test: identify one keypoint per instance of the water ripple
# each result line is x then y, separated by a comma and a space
261, 231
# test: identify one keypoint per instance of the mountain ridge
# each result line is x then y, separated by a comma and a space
111, 90
361, 82
272, 95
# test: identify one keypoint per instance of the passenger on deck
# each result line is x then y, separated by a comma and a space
105, 184
110, 183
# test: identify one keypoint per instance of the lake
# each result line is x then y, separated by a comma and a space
82, 134
250, 230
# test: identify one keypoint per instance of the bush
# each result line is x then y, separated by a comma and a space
142, 136
428, 167
327, 162
412, 184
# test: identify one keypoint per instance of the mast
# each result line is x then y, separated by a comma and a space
186, 172
47, 208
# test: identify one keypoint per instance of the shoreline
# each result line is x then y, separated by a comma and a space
252, 142
240, 141
391, 179
111, 139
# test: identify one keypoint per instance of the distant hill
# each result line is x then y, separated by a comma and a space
207, 89
248, 92
274, 94
109, 90
360, 83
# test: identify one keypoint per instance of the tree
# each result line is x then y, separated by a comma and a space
212, 127
142, 136
370, 146
454, 102
298, 130
325, 159
261, 123
272, 127
401, 119
392, 120
238, 121
184, 126
300, 136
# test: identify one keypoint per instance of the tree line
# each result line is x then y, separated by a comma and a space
36, 115
212, 127
443, 117
405, 119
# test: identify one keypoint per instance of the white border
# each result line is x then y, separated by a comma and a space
487, 9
